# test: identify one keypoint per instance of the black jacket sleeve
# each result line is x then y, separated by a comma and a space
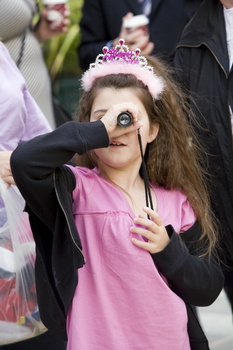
197, 280
33, 163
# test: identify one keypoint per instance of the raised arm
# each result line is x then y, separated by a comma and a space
34, 162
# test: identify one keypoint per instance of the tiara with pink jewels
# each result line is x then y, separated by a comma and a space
121, 60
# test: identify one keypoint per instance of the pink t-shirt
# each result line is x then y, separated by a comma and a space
122, 302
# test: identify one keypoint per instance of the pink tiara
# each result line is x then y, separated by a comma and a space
121, 60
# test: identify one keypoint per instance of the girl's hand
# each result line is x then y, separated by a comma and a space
5, 169
44, 32
156, 233
110, 119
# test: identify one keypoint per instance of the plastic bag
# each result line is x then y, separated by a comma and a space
19, 315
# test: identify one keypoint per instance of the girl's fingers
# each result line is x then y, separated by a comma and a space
142, 232
153, 224
154, 216
157, 241
155, 232
149, 224
132, 127
115, 110
140, 244
119, 130
110, 119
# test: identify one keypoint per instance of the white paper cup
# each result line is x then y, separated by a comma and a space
56, 10
137, 22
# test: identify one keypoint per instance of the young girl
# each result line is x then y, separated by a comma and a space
139, 267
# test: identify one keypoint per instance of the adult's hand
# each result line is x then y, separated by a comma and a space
5, 169
44, 32
135, 40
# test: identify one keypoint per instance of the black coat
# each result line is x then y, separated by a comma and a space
47, 188
102, 20
202, 63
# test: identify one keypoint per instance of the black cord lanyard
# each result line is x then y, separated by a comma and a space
149, 201
18, 62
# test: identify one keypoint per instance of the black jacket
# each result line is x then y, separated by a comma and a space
202, 63
102, 20
47, 187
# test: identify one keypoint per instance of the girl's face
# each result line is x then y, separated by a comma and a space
123, 151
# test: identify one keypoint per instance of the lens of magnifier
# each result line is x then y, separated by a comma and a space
124, 119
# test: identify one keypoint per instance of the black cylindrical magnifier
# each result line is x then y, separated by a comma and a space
124, 119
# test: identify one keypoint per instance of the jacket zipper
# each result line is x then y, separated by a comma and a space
72, 237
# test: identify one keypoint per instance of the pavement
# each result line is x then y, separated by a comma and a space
217, 323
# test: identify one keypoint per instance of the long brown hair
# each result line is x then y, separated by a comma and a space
173, 158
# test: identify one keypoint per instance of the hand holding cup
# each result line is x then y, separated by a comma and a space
135, 32
56, 13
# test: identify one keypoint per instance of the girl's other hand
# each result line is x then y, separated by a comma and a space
156, 232
109, 119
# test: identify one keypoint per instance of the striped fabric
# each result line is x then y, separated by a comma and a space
15, 20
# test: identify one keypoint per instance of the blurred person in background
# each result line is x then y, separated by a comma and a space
22, 40
203, 61
20, 120
101, 25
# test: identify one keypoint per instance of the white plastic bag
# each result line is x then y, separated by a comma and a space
19, 315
